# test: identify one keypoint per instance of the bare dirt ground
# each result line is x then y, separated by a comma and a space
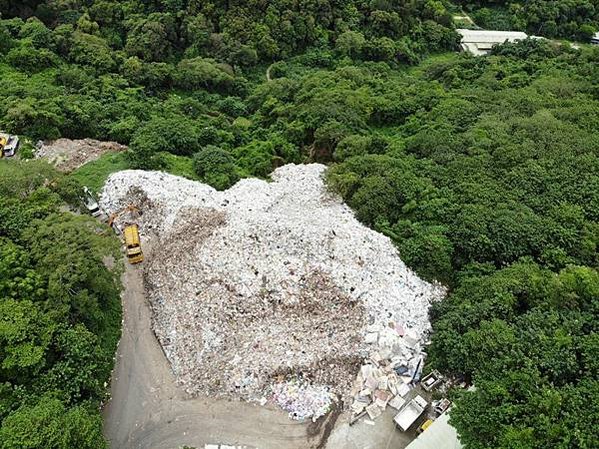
68, 155
148, 410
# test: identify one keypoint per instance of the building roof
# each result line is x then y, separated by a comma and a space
480, 42
439, 435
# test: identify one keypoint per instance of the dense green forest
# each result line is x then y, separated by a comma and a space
484, 172
59, 312
570, 19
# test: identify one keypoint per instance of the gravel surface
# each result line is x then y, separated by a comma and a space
269, 284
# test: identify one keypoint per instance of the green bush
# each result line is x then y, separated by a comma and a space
216, 167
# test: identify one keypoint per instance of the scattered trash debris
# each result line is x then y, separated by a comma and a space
303, 400
274, 289
441, 406
67, 155
431, 380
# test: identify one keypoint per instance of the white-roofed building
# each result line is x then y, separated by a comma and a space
595, 39
480, 42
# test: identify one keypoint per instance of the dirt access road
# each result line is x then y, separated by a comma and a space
148, 410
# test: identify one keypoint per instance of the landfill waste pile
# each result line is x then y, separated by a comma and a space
273, 290
302, 399
68, 155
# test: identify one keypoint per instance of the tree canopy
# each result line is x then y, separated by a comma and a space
483, 171
59, 314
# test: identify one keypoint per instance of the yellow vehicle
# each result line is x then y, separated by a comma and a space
132, 244
425, 425
3, 142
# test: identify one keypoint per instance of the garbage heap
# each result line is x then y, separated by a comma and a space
68, 155
269, 291
388, 373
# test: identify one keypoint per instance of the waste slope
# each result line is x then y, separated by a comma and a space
267, 284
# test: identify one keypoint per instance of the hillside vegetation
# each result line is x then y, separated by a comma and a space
571, 19
59, 313
483, 171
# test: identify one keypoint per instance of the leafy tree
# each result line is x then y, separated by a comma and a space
37, 33
56, 427
216, 167
350, 43
203, 73
35, 118
30, 59
25, 334
90, 50
150, 39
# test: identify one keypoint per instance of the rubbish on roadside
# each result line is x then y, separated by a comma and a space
373, 411
303, 400
417, 371
382, 398
397, 402
441, 406
403, 390
68, 155
358, 407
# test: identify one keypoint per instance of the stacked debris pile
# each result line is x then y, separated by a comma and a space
388, 374
270, 289
68, 155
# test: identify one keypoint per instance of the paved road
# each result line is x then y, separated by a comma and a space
148, 411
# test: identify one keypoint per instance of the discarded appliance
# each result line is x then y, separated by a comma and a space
410, 413
441, 406
431, 380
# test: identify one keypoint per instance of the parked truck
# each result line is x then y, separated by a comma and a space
8, 145
410, 413
92, 205
132, 244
